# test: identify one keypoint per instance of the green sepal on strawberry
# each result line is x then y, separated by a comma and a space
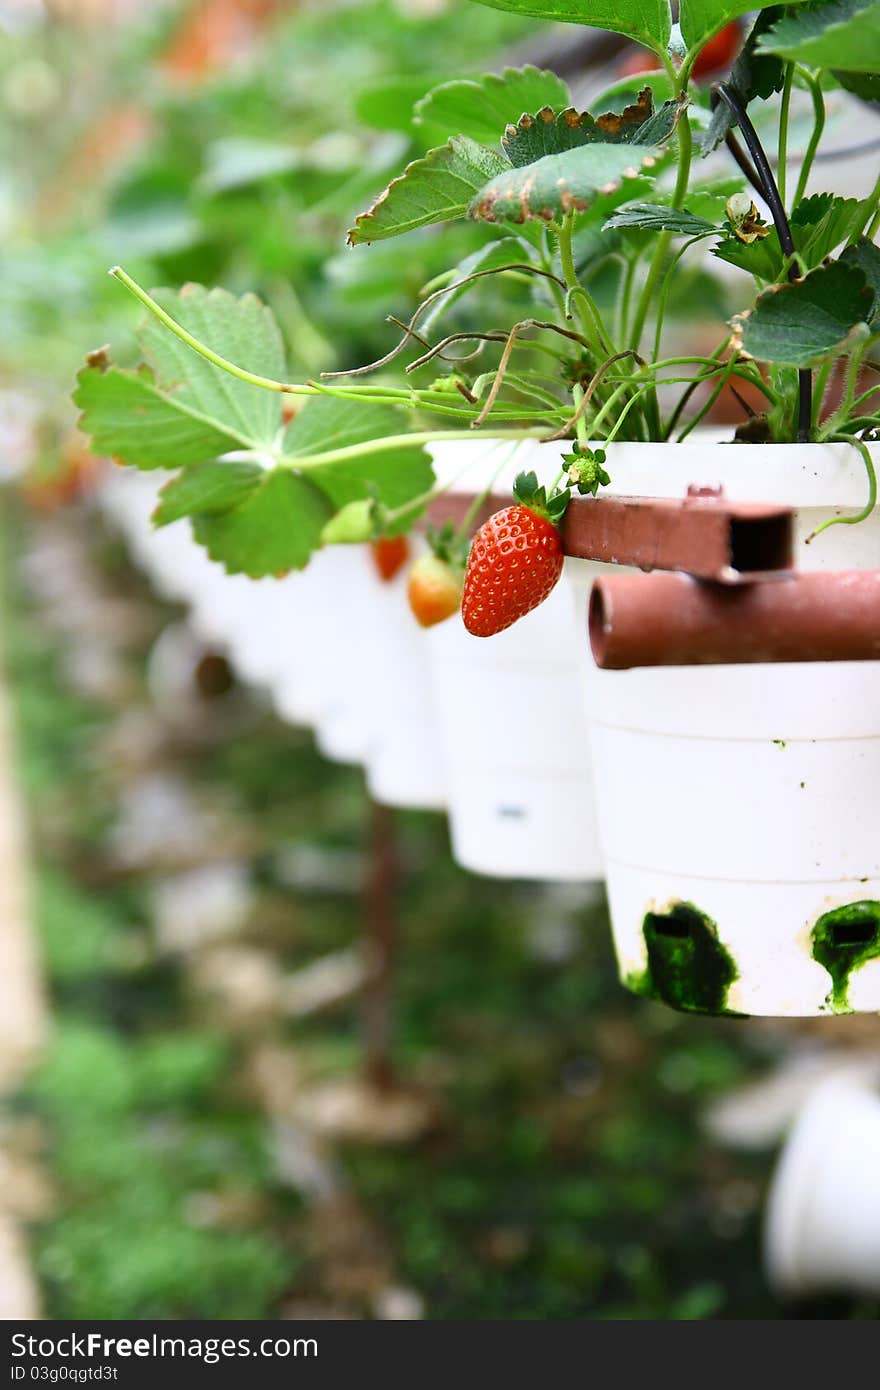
585, 469
515, 559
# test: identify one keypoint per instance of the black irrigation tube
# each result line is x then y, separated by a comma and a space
768, 190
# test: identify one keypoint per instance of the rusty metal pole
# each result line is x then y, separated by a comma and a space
381, 935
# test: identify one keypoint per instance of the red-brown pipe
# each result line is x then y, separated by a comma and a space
674, 620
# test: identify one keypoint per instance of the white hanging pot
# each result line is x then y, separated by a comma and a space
371, 664
739, 805
510, 713
822, 1227
404, 765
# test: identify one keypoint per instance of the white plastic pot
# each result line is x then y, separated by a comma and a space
740, 805
370, 662
511, 716
404, 764
822, 1227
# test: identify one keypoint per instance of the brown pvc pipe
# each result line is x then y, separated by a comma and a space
704, 535
674, 620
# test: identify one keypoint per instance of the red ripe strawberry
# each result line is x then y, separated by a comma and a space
515, 560
719, 52
390, 554
434, 590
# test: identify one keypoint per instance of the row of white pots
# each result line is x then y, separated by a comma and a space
734, 811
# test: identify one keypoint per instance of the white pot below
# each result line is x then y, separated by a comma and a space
822, 1228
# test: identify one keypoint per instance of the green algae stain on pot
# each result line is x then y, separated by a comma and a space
688, 968
844, 939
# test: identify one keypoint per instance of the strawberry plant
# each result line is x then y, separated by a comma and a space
558, 325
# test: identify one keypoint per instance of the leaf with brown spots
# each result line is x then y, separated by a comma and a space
533, 137
570, 181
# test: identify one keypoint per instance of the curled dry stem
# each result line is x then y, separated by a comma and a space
408, 329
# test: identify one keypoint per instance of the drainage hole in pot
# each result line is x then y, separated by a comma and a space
669, 926
852, 933
760, 544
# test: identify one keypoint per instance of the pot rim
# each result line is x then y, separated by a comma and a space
796, 475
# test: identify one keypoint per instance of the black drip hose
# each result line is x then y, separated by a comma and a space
768, 190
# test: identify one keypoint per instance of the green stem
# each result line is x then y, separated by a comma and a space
782, 148
842, 412
625, 298
710, 401
820, 386
872, 489
685, 153
394, 442
664, 291
591, 320
818, 100
252, 379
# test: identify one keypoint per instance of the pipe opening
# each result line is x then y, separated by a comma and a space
758, 544
599, 623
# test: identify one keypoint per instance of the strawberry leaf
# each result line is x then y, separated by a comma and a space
393, 476
799, 324
275, 528
206, 489
128, 417
647, 21
559, 183
844, 34
242, 330
436, 188
481, 107
700, 19
866, 257
545, 133
653, 217
181, 409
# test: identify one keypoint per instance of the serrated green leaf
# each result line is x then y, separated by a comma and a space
763, 259
533, 137
844, 34
700, 19
560, 183
819, 224
206, 489
865, 256
395, 476
800, 324
647, 21
127, 417
482, 107
436, 188
754, 74
274, 529
653, 217
242, 330
864, 85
